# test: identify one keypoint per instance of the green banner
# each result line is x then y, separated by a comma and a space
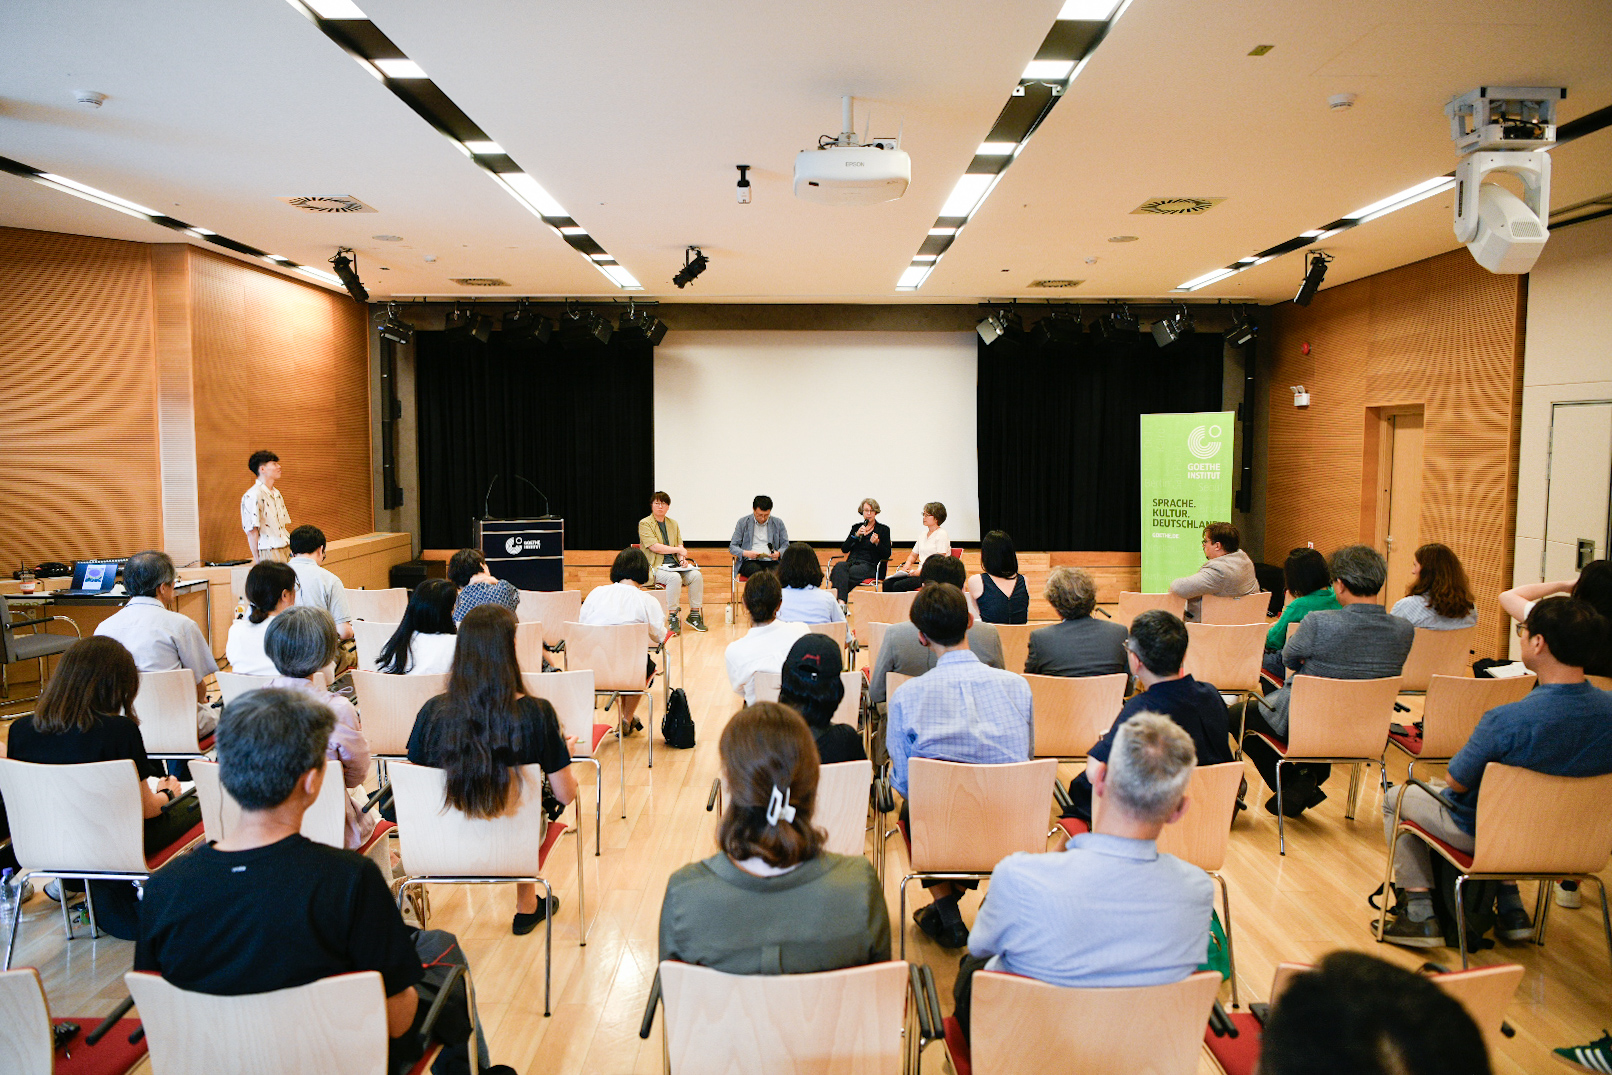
1187, 478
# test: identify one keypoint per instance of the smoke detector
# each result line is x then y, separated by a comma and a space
328, 203
89, 97
1341, 102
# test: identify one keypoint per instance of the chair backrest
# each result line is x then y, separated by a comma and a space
385, 606
438, 841
1200, 835
370, 636
846, 1020
389, 704
231, 685
552, 608
892, 680
1436, 653
842, 805
768, 685
1250, 608
836, 630
1015, 643
1340, 718
333, 1024
1226, 655
1019, 1025
26, 1047
1529, 822
325, 822
571, 695
75, 817
1073, 712
661, 594
616, 652
1132, 605
883, 606
871, 636
166, 705
970, 817
1485, 993
8, 652
1455, 704
529, 646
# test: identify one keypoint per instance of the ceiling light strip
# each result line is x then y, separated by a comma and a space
357, 35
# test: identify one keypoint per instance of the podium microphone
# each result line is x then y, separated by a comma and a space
540, 493
488, 498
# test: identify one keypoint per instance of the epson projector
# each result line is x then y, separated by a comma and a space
852, 175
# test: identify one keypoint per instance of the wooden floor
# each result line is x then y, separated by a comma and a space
1294, 908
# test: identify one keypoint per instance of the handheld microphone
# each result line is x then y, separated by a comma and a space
539, 492
485, 514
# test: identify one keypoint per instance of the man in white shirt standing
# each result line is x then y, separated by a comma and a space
316, 585
159, 638
263, 515
763, 647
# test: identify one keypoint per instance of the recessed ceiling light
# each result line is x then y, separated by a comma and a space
85, 188
621, 277
532, 193
1056, 70
484, 148
1246, 261
202, 232
336, 9
1087, 10
996, 149
912, 276
1206, 279
387, 238
969, 191
572, 230
1122, 238
942, 231
1312, 234
925, 257
400, 68
1409, 196
281, 259
601, 257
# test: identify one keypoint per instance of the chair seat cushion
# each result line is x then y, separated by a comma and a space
423, 1065
1278, 743
1073, 825
1463, 859
27, 647
112, 1055
1239, 1055
599, 732
206, 741
156, 862
382, 830
1410, 740
957, 1047
551, 835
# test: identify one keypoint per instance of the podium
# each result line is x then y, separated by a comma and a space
530, 553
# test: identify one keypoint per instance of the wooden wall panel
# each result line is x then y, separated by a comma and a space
176, 402
1443, 333
78, 416
283, 366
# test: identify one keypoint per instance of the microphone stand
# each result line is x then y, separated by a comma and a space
540, 493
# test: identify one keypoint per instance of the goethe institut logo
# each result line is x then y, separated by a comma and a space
515, 546
1204, 443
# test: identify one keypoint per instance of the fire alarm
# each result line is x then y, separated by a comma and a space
1304, 348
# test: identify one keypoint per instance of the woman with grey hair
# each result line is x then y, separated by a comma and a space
1078, 645
301, 641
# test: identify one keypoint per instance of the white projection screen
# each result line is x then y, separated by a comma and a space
817, 421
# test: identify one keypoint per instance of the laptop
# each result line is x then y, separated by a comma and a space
92, 578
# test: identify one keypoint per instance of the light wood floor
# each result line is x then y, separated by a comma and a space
1294, 908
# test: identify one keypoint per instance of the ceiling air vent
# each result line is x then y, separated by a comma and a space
1056, 283
328, 203
479, 281
1177, 206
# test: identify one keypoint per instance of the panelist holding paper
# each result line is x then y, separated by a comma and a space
758, 538
662, 541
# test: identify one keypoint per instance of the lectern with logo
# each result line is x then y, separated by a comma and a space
527, 552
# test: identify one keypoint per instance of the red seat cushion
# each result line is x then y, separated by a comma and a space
425, 1062
155, 862
206, 741
1239, 1055
1073, 825
599, 732
555, 830
1411, 740
957, 1047
1279, 744
112, 1055
381, 829
1461, 858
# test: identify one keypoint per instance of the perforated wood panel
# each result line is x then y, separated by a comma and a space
1443, 333
283, 366
78, 421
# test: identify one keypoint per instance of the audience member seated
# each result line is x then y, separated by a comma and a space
1155, 652
157, 637
812, 687
805, 600
1594, 584
266, 908
1357, 1015
933, 541
999, 592
300, 641
468, 571
86, 714
1110, 910
1309, 589
764, 646
484, 726
662, 539
904, 653
1358, 641
758, 538
1227, 571
1439, 598
423, 643
962, 711
772, 901
1563, 727
271, 588
624, 602
865, 548
316, 585
1078, 645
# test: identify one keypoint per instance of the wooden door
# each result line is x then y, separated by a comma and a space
1404, 502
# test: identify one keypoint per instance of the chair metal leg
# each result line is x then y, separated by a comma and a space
1606, 917
582, 895
1540, 899
902, 922
621, 761
1539, 923
1281, 815
67, 919
548, 942
16, 920
89, 902
1388, 872
1231, 951
1460, 917
1354, 790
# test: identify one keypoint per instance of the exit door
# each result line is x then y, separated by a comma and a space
1404, 535
1578, 480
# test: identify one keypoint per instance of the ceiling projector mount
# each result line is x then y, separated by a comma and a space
1503, 130
844, 170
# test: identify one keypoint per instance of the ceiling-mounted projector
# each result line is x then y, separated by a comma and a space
846, 171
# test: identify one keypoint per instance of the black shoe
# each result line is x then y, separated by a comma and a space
696, 620
1513, 925
1402, 931
525, 923
946, 934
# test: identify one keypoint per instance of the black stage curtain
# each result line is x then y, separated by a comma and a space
1059, 433
576, 421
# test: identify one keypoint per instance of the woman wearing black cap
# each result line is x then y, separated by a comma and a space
813, 688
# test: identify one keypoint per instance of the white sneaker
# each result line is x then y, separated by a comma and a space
1567, 897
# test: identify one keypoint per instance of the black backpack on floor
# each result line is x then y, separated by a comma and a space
1478, 896
677, 727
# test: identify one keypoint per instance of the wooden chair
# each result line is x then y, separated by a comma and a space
1251, 608
1436, 653
325, 822
446, 847
1132, 605
617, 654
1227, 656
389, 704
1015, 643
768, 685
1343, 721
1240, 1055
552, 608
1451, 712
964, 819
529, 646
1018, 1026
1600, 682
79, 822
26, 1045
231, 685
370, 637
166, 704
335, 1024
881, 606
382, 606
869, 637
1530, 827
572, 696
1073, 712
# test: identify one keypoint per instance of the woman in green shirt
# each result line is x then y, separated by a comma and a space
1309, 587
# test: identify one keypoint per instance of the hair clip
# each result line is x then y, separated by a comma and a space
778, 806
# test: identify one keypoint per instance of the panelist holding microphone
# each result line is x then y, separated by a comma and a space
865, 547
662, 540
758, 538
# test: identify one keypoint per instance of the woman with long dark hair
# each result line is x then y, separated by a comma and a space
1439, 597
485, 726
423, 643
271, 588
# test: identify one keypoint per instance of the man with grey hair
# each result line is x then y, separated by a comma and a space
1111, 910
1079, 644
1358, 641
159, 638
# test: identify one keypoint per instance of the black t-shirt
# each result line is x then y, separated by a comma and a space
235, 922
538, 739
838, 742
1196, 707
108, 739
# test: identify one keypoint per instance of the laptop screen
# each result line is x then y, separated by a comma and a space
95, 574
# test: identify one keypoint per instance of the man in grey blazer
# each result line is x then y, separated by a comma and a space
1227, 571
758, 539
1079, 645
901, 651
1358, 641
